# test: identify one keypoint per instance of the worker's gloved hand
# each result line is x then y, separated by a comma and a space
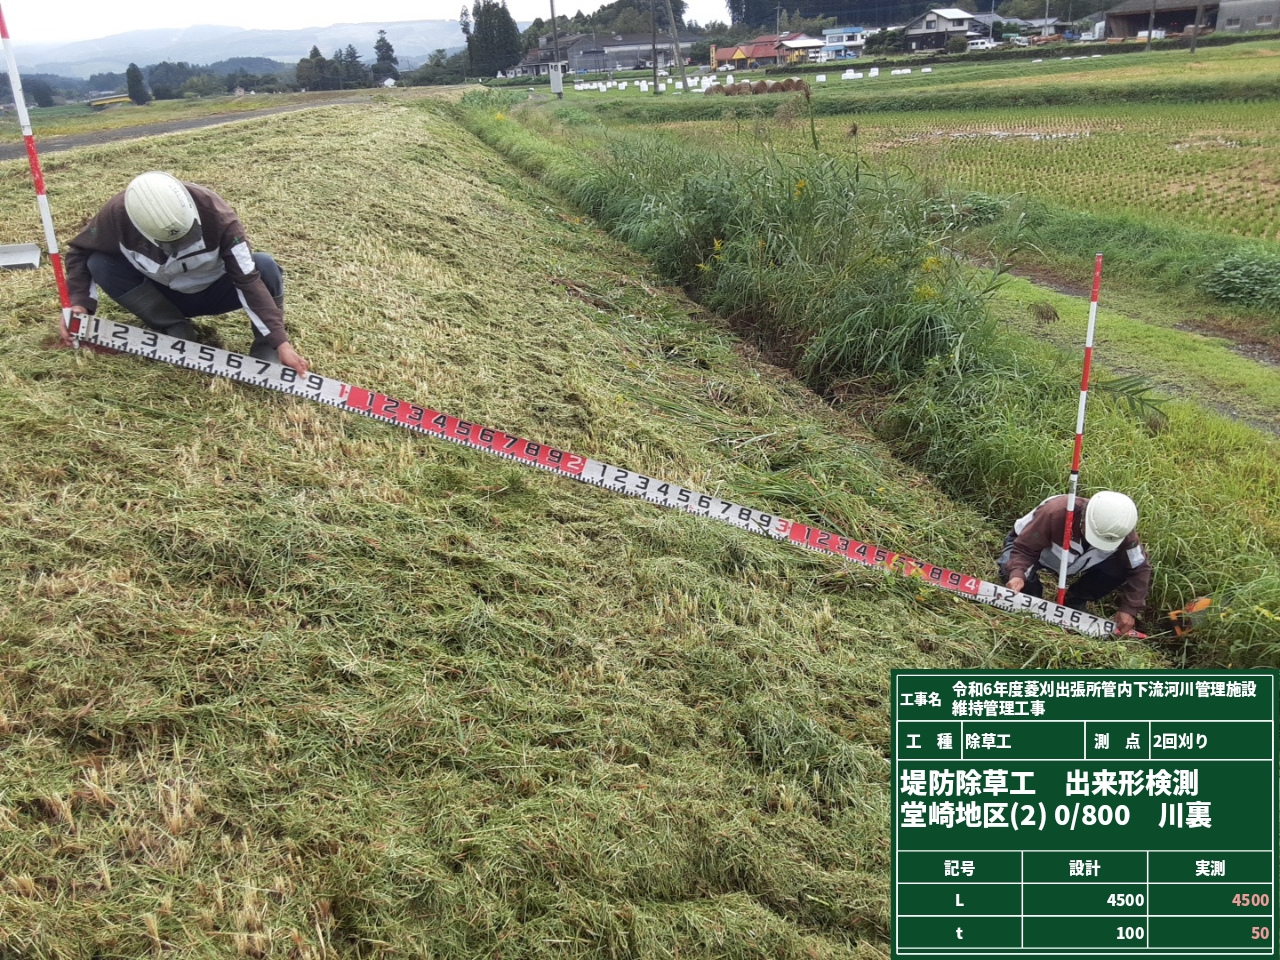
292, 359
1124, 624
1016, 584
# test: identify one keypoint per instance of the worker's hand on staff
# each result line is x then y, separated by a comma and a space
64, 335
1016, 584
292, 359
1124, 624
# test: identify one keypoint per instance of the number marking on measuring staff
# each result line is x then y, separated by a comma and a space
152, 345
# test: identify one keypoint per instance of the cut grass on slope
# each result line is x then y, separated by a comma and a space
276, 681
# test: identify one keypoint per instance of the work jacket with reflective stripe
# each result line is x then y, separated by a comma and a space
1039, 544
220, 249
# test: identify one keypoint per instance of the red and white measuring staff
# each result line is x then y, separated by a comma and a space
46, 218
151, 345
1075, 455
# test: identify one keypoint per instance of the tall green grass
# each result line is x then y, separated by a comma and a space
847, 274
1142, 253
844, 271
1208, 490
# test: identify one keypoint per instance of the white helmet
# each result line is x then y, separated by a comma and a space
1108, 519
160, 207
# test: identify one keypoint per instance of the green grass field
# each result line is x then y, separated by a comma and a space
278, 682
80, 118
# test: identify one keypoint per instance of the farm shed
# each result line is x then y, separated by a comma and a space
764, 49
933, 28
1172, 16
1241, 16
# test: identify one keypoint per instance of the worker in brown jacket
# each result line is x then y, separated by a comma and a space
168, 251
1105, 553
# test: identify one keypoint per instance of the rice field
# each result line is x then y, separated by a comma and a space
1215, 168
1211, 167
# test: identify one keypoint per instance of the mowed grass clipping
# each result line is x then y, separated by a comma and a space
278, 681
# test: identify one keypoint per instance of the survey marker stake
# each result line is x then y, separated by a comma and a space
1075, 454
46, 217
152, 345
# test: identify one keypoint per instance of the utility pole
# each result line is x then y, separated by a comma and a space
555, 52
1045, 31
675, 47
653, 22
1195, 29
1151, 24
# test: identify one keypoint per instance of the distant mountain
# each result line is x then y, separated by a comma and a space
415, 39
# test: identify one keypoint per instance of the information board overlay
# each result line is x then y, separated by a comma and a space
1056, 813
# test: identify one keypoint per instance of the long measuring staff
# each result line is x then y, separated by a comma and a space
33, 159
216, 362
1079, 444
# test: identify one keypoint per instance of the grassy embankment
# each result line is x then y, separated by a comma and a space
276, 681
849, 274
80, 118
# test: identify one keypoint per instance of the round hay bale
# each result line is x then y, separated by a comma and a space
772, 86
802, 87
759, 87
744, 89
731, 90
789, 84
715, 88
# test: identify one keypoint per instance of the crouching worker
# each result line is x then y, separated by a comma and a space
168, 251
1105, 553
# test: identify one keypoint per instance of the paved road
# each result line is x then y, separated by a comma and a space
13, 151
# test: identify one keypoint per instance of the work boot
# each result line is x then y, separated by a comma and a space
261, 350
148, 304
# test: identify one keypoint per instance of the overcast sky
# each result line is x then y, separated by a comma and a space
43, 21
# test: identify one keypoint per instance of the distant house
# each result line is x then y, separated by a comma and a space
1131, 17
541, 60
1242, 16
842, 43
933, 28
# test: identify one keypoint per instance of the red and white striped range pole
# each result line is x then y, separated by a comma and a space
55, 258
1075, 456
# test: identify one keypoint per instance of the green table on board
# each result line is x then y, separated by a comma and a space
1084, 813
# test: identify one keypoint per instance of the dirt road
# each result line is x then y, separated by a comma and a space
13, 151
